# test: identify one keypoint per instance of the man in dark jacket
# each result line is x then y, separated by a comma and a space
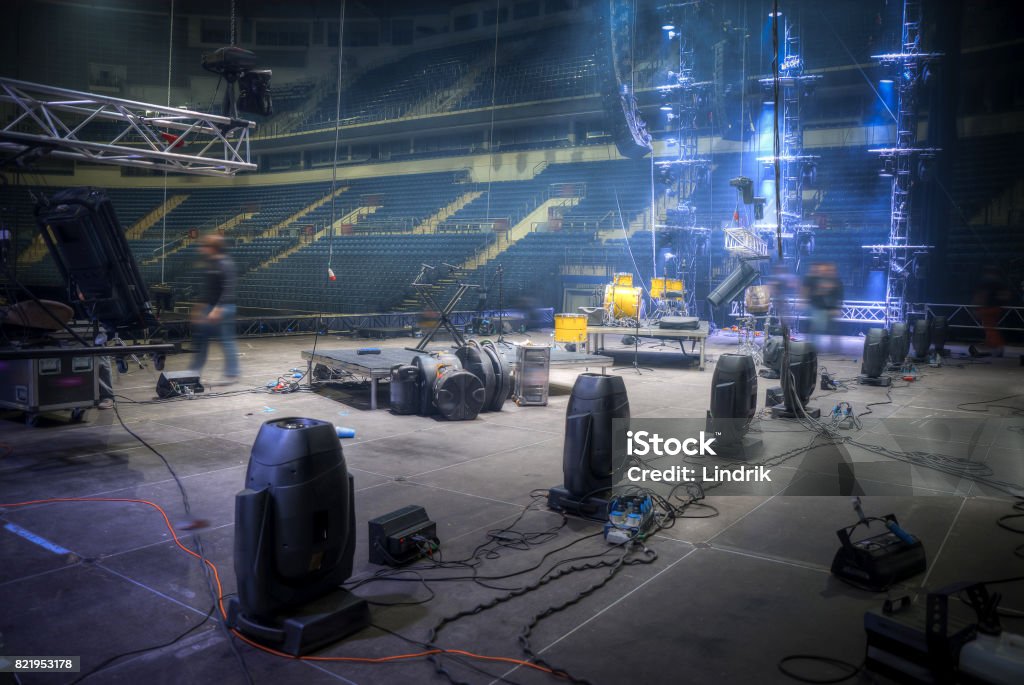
215, 318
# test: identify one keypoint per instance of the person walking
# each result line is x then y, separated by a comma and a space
215, 317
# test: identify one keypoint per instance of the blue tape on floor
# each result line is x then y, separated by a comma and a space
33, 538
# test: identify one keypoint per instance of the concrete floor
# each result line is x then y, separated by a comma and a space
725, 599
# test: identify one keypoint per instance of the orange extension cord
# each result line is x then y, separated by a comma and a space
243, 638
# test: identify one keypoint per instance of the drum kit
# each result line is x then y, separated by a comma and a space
757, 302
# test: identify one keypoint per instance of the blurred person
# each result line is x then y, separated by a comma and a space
784, 289
215, 317
990, 297
823, 291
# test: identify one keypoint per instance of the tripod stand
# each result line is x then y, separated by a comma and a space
636, 338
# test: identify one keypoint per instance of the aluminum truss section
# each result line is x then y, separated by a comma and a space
682, 97
794, 85
106, 130
742, 243
899, 159
852, 311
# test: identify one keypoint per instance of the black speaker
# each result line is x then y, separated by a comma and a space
587, 467
729, 289
174, 383
405, 389
478, 363
940, 329
458, 394
295, 540
502, 376
899, 343
876, 352
733, 398
88, 245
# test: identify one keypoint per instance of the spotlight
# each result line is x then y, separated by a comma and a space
668, 27
940, 330
899, 343
805, 243
295, 539
733, 399
774, 14
887, 81
729, 289
874, 358
798, 379
587, 468
666, 108
921, 336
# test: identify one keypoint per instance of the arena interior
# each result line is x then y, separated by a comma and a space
511, 341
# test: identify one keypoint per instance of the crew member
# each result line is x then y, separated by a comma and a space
215, 317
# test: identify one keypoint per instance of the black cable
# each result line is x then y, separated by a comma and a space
108, 662
851, 669
200, 552
426, 645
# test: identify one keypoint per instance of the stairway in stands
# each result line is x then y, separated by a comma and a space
275, 230
430, 225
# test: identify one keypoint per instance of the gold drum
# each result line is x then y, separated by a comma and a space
757, 299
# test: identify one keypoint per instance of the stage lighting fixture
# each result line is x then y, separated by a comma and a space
235, 65
759, 203
746, 188
587, 464
920, 336
899, 343
940, 329
805, 243
874, 358
295, 539
771, 354
799, 377
668, 27
733, 400
729, 289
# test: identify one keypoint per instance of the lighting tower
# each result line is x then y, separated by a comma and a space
683, 98
794, 165
898, 161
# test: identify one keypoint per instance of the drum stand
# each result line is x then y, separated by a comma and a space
636, 342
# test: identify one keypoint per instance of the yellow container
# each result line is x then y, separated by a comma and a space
570, 328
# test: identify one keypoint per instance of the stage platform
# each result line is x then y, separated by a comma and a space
378, 366
595, 336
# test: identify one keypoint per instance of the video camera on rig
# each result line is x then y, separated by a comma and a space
236, 64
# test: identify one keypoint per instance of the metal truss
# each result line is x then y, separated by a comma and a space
308, 324
967, 315
794, 84
852, 311
106, 130
742, 243
898, 160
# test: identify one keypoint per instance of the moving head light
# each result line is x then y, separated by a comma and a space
236, 65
